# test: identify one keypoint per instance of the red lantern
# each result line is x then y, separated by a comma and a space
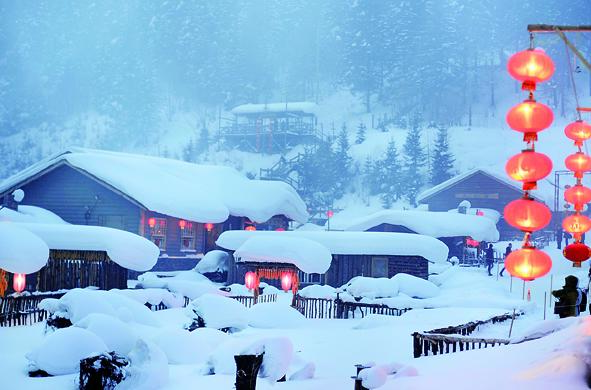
576, 224
182, 224
578, 131
529, 118
577, 252
329, 213
250, 228
528, 263
286, 280
250, 280
280, 230
527, 215
480, 213
209, 227
18, 283
578, 163
472, 242
578, 195
530, 66
152, 222
528, 167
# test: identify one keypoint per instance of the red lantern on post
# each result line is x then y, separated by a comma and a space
528, 167
280, 229
19, 282
529, 118
528, 263
250, 228
329, 213
152, 222
530, 66
579, 131
576, 224
578, 163
578, 195
250, 280
182, 224
209, 227
577, 252
286, 281
527, 214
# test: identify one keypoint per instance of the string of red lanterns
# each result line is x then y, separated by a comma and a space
530, 66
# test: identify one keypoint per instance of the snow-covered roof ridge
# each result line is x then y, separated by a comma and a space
351, 243
202, 193
250, 108
456, 179
431, 223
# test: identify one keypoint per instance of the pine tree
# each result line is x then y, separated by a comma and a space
391, 175
342, 161
203, 143
443, 160
414, 160
189, 151
360, 134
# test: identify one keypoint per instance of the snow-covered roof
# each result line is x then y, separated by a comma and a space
431, 223
351, 243
456, 179
308, 255
201, 193
303, 107
492, 214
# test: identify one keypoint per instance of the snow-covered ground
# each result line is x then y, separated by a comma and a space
330, 348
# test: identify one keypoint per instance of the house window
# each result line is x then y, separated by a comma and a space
379, 267
188, 237
311, 278
158, 232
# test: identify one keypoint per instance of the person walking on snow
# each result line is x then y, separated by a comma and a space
507, 252
490, 257
570, 298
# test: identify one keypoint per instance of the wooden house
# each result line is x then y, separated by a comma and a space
181, 207
353, 254
483, 189
271, 127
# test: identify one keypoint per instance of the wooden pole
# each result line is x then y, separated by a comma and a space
511, 284
545, 294
512, 321
550, 28
523, 291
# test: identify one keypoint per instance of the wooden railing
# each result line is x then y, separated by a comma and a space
336, 308
23, 310
248, 301
454, 338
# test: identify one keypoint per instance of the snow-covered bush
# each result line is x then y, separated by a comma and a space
148, 369
440, 279
117, 335
318, 291
218, 312
190, 284
274, 315
153, 296
213, 261
415, 287
61, 351
366, 287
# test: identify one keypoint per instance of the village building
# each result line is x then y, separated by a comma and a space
181, 207
353, 254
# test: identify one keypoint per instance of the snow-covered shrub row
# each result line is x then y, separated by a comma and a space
372, 288
190, 284
318, 291
153, 296
238, 290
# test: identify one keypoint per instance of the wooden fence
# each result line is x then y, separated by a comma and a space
336, 308
248, 300
454, 338
23, 310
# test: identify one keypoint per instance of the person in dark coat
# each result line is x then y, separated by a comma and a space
490, 258
568, 298
567, 236
507, 253
559, 234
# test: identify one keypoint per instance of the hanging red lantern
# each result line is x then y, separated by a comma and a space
579, 131
576, 224
472, 242
182, 224
527, 215
250, 280
209, 227
250, 228
578, 163
528, 167
577, 252
286, 280
530, 117
18, 283
530, 66
152, 222
329, 213
528, 263
578, 195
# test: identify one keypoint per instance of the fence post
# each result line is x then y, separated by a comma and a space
247, 369
358, 382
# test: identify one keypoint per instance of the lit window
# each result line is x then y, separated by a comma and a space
188, 237
157, 231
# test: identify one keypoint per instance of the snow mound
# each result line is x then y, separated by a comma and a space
274, 315
21, 251
29, 214
61, 351
440, 279
308, 255
181, 346
363, 286
219, 312
372, 321
78, 303
318, 291
153, 296
190, 284
148, 369
373, 377
116, 334
213, 261
415, 287
240, 290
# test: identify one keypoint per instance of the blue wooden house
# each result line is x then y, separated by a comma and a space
181, 207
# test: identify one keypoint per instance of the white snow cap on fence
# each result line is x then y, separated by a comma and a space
309, 256
124, 248
351, 243
431, 223
20, 250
